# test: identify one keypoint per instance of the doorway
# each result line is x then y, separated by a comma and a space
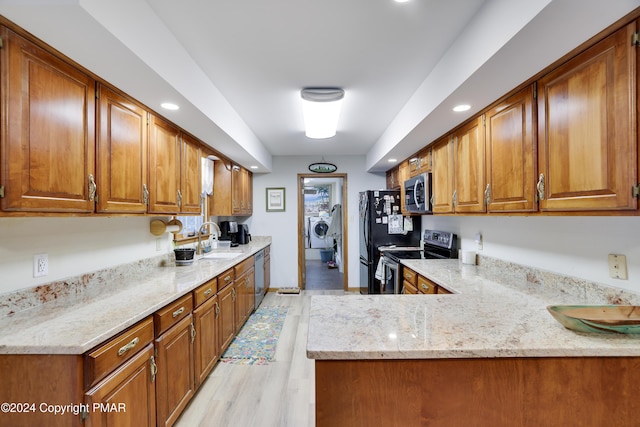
322, 254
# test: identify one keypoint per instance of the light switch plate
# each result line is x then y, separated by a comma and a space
618, 266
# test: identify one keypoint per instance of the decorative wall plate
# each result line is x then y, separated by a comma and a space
322, 167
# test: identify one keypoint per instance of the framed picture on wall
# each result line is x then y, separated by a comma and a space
275, 200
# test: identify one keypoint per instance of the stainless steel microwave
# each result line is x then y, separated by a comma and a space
417, 194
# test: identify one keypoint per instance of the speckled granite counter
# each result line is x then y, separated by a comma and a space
488, 317
79, 321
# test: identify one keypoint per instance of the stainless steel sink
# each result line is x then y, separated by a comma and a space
221, 255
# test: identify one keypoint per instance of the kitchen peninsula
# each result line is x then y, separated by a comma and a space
488, 355
152, 329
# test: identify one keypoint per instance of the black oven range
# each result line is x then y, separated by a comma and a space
436, 245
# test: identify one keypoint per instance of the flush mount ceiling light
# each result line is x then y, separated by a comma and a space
321, 110
169, 106
461, 107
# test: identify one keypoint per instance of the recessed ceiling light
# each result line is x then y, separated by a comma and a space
392, 160
461, 107
402, 1
254, 167
169, 106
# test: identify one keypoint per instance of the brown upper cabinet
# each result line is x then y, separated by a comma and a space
587, 129
420, 163
174, 169
393, 179
232, 189
122, 176
468, 170
48, 146
442, 176
511, 150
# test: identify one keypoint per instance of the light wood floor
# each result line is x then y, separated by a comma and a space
281, 393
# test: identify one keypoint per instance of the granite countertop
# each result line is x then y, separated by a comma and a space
76, 324
485, 318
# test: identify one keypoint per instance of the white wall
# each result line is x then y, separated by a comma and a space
75, 245
575, 246
283, 226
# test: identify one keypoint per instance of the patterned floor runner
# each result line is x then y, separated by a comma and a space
256, 342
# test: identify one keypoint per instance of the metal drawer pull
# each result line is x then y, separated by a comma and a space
226, 279
208, 292
125, 348
178, 312
154, 368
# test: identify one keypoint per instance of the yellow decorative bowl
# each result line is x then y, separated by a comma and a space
621, 319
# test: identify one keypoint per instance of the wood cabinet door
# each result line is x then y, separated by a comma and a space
442, 176
469, 178
587, 129
130, 391
48, 145
248, 192
511, 151
191, 177
226, 319
206, 345
420, 163
121, 154
175, 381
403, 175
220, 205
164, 166
237, 197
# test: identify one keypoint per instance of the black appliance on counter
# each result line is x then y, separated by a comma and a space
381, 224
243, 237
437, 245
229, 231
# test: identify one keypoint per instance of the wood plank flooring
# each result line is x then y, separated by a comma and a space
281, 393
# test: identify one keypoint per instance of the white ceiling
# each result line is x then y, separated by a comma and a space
236, 66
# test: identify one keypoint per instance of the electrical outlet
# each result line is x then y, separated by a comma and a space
40, 265
618, 266
478, 240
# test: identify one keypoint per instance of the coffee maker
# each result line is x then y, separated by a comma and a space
229, 231
243, 235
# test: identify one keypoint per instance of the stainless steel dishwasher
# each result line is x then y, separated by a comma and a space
259, 276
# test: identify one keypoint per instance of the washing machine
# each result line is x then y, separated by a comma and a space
318, 227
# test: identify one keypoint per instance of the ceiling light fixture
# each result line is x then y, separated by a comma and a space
169, 106
461, 107
321, 110
392, 160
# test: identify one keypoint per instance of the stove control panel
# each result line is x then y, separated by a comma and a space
443, 239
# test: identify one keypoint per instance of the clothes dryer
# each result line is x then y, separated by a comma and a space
318, 227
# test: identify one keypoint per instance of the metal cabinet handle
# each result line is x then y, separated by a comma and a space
145, 194
487, 194
154, 368
208, 292
179, 198
193, 333
226, 279
129, 346
455, 198
217, 309
92, 188
178, 312
540, 187
233, 294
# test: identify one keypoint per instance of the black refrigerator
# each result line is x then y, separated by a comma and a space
381, 224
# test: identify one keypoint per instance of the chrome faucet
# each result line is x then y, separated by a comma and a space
217, 233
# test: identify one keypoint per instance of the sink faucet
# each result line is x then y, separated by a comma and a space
217, 233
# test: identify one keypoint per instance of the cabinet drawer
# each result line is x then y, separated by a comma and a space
410, 276
225, 279
108, 356
409, 288
206, 291
244, 266
171, 314
426, 286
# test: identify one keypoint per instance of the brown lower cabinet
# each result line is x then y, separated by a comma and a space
498, 392
144, 376
127, 397
175, 383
